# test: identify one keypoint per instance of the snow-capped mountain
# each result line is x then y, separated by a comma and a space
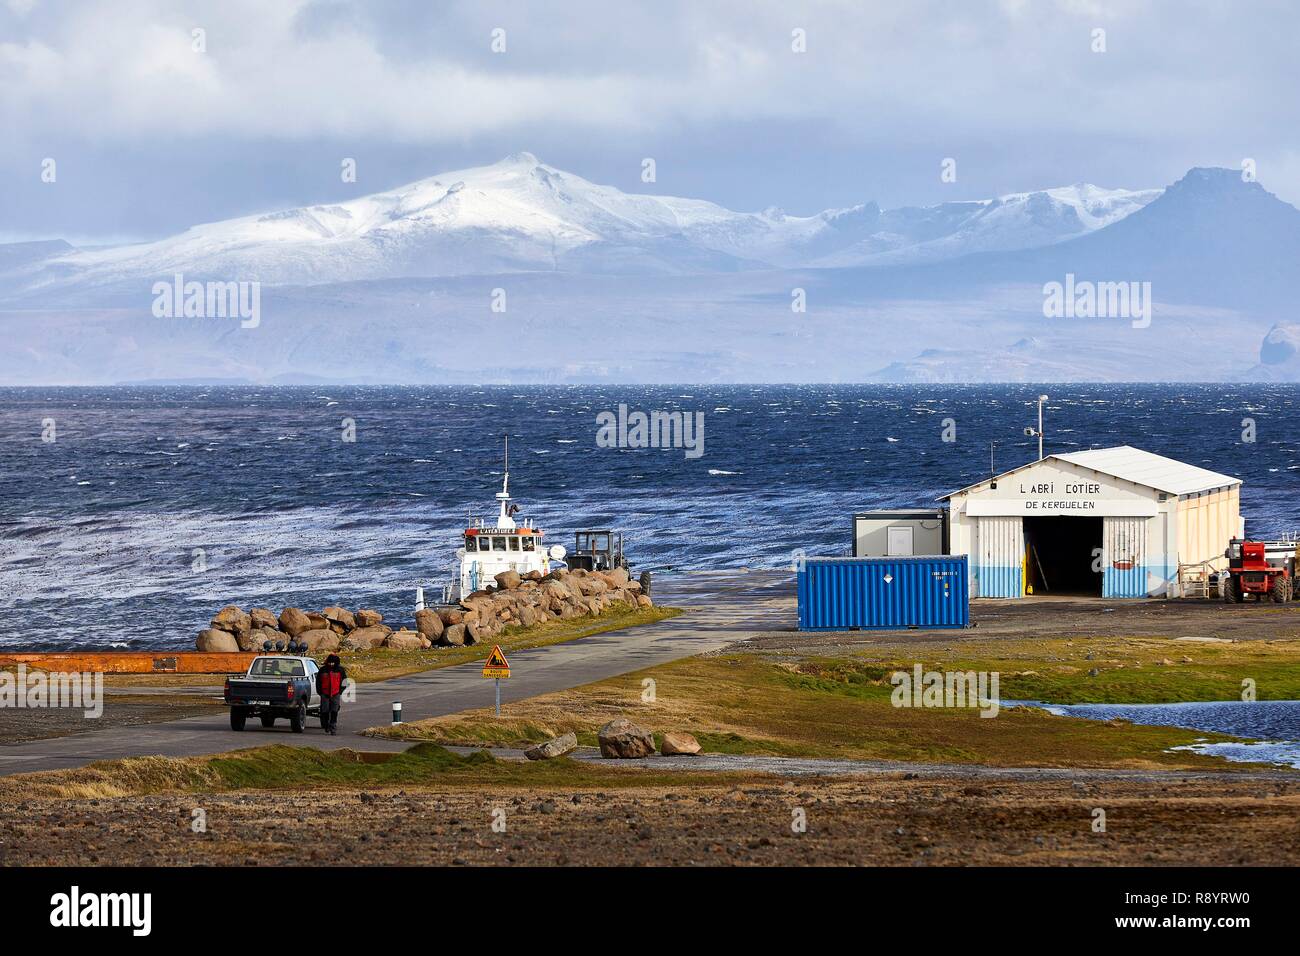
610, 287
521, 215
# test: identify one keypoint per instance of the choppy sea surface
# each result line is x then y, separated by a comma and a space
154, 506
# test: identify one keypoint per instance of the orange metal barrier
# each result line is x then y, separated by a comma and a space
133, 662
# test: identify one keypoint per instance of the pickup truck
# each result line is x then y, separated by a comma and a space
276, 685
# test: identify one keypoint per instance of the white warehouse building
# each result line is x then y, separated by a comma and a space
1113, 522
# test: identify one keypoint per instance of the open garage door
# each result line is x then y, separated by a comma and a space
1063, 556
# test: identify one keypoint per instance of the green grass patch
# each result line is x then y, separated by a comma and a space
278, 767
741, 703
1129, 670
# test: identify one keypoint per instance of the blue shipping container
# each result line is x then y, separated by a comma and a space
883, 593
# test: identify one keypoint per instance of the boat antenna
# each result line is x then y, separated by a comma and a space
503, 519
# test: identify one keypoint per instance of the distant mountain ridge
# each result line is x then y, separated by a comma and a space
521, 215
605, 286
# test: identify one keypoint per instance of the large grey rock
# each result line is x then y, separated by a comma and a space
364, 638
678, 742
263, 618
556, 747
404, 641
454, 635
508, 580
294, 620
625, 740
232, 620
341, 616
428, 623
368, 618
258, 637
319, 640
216, 640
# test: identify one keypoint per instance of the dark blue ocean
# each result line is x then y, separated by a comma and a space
99, 528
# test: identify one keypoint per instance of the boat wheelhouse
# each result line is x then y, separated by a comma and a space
502, 545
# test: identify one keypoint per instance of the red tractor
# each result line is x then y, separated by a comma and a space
1262, 568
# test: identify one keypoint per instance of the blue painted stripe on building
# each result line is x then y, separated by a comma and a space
1124, 582
999, 582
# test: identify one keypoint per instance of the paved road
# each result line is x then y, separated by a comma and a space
724, 607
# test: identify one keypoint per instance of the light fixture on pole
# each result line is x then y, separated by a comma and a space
1038, 432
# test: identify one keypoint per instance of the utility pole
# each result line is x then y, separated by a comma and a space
1038, 432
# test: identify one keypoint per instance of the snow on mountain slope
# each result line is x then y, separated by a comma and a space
520, 215
1017, 221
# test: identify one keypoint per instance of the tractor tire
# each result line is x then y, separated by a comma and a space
1281, 590
238, 715
1228, 590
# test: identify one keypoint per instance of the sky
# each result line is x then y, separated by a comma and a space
153, 127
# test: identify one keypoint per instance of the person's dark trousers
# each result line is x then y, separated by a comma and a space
329, 711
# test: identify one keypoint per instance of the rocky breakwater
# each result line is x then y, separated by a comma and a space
515, 601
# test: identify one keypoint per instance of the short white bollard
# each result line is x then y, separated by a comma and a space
419, 599
397, 712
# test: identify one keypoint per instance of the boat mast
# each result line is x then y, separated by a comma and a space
503, 519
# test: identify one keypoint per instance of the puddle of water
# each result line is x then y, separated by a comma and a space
1271, 727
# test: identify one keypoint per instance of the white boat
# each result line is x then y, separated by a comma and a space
491, 547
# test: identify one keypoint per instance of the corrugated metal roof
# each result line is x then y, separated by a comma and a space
1145, 468
1133, 464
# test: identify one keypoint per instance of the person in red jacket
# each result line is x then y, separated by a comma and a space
330, 681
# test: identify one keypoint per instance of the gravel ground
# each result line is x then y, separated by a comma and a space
884, 820
120, 710
1048, 617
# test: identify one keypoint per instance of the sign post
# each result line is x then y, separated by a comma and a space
497, 668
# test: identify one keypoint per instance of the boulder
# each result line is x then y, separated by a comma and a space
620, 738
404, 640
450, 616
337, 615
216, 640
364, 638
534, 576
263, 618
257, 637
592, 585
454, 635
319, 622
293, 621
319, 640
678, 742
527, 616
556, 747
508, 580
617, 578
476, 631
643, 601
232, 620
368, 618
428, 623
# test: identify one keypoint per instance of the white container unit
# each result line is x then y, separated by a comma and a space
898, 533
1111, 522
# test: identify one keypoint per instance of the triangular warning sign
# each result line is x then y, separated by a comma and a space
496, 660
